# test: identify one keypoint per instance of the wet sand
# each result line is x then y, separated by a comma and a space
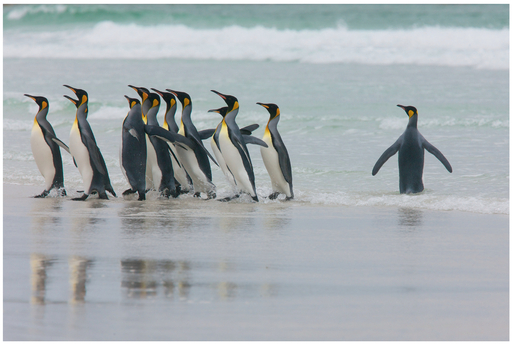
190, 269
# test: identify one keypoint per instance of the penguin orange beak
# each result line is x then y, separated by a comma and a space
71, 88
216, 110
173, 92
29, 96
75, 101
159, 92
219, 93
402, 106
140, 92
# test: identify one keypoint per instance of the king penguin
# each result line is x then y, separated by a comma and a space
133, 149
233, 148
85, 152
411, 145
159, 160
194, 159
45, 149
214, 143
275, 156
183, 181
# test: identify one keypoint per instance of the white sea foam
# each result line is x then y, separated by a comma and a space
475, 47
421, 201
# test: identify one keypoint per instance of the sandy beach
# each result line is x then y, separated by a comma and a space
190, 269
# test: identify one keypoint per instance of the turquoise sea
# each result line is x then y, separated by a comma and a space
337, 73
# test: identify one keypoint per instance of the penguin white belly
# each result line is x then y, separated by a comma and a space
81, 155
152, 166
221, 162
190, 163
272, 164
234, 162
178, 169
42, 155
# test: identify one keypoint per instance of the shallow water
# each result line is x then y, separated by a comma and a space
336, 120
204, 270
337, 73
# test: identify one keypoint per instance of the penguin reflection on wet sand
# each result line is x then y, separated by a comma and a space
275, 156
133, 150
411, 145
85, 152
45, 149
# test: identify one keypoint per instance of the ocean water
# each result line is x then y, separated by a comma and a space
349, 258
336, 71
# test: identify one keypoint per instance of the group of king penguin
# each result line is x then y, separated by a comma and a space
170, 159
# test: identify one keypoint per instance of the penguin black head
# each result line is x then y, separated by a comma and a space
221, 111
183, 97
132, 101
231, 101
410, 111
154, 99
81, 94
168, 97
141, 91
272, 108
40, 100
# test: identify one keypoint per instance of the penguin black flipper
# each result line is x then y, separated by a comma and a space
436, 152
206, 133
241, 147
392, 150
166, 135
94, 151
200, 144
249, 129
61, 144
249, 139
173, 154
50, 138
283, 159
98, 162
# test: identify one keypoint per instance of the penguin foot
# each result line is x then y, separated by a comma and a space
255, 198
142, 196
103, 196
166, 193
289, 198
128, 192
42, 195
274, 195
61, 192
82, 198
211, 195
197, 195
175, 193
228, 198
